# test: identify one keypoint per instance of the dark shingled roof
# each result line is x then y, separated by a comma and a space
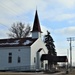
16, 42
36, 24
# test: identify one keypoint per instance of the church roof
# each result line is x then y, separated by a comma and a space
17, 42
36, 24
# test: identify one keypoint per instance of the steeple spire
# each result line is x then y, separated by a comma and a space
36, 24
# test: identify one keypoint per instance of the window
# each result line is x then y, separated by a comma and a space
10, 54
34, 59
10, 58
19, 59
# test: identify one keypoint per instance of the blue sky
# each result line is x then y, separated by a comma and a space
57, 16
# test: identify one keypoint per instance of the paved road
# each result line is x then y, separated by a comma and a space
25, 73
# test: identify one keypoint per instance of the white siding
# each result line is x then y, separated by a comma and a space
34, 48
36, 34
22, 52
27, 55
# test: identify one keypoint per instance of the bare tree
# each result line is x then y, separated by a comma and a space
19, 30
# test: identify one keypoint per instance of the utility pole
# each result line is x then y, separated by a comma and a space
71, 39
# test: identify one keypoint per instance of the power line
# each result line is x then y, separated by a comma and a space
3, 25
71, 39
8, 8
16, 3
12, 11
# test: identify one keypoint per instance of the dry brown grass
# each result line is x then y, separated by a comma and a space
30, 73
15, 73
72, 72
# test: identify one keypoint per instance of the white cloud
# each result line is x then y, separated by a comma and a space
62, 17
3, 33
59, 10
44, 30
67, 31
67, 3
15, 7
52, 10
17, 10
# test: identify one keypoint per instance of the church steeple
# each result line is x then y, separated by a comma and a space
36, 24
36, 31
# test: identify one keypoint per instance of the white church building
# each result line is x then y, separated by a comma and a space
23, 54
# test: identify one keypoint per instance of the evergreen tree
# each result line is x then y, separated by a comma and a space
49, 44
51, 48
